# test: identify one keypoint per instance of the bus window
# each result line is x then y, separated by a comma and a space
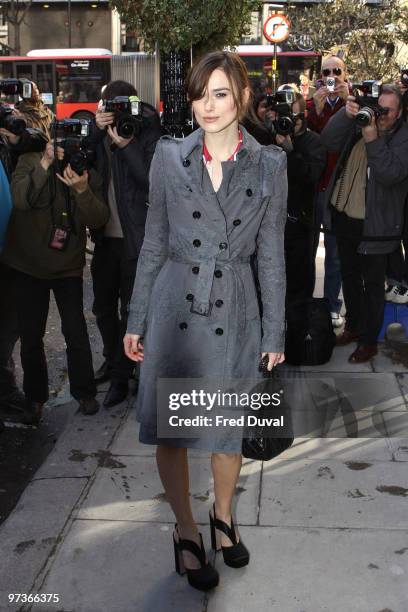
6, 70
44, 82
80, 80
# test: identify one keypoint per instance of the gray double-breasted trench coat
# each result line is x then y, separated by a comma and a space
194, 299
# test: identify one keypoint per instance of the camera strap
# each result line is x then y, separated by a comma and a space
68, 209
332, 103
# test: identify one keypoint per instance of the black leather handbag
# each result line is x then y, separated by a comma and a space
257, 442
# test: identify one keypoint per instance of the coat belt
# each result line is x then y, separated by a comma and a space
201, 301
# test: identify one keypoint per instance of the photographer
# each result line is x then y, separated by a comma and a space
366, 199
397, 266
35, 113
12, 401
45, 246
259, 122
306, 159
124, 164
328, 99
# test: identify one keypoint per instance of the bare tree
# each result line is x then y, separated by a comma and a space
369, 35
14, 12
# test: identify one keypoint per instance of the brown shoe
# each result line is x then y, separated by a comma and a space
347, 337
363, 354
89, 406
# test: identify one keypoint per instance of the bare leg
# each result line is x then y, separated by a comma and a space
226, 469
173, 470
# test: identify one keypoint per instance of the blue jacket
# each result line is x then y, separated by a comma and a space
6, 204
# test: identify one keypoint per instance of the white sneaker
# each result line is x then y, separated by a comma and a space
400, 296
337, 319
390, 292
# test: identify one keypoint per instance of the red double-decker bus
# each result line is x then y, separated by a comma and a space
290, 65
70, 80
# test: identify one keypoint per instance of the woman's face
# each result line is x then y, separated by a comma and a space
263, 111
216, 110
35, 92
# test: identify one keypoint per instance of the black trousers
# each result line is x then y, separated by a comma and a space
33, 297
397, 266
363, 279
113, 276
299, 261
8, 330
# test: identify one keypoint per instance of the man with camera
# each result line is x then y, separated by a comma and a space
45, 246
329, 98
124, 139
14, 141
365, 205
306, 160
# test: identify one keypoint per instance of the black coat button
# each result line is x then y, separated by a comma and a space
249, 192
219, 331
186, 163
219, 303
223, 246
197, 243
237, 222
218, 274
189, 297
195, 270
196, 214
183, 325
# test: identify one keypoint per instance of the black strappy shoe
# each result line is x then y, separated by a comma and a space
236, 555
204, 578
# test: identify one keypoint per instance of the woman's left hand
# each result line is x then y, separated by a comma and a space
79, 183
273, 359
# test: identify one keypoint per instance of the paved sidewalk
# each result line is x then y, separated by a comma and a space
326, 524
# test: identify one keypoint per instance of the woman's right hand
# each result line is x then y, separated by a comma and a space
133, 347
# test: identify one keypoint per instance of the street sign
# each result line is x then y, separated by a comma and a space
276, 28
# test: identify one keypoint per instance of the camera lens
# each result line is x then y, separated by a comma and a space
78, 162
364, 116
125, 127
284, 125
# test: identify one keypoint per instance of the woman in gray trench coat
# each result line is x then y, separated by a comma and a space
215, 198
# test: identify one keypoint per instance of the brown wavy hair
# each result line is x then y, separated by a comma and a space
235, 71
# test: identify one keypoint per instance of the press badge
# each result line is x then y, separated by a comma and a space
59, 238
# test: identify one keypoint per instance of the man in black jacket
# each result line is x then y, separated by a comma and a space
12, 400
124, 164
365, 206
306, 159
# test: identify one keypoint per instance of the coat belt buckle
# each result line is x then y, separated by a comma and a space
203, 314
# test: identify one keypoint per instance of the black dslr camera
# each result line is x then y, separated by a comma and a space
71, 135
128, 115
16, 87
367, 94
13, 87
10, 122
281, 102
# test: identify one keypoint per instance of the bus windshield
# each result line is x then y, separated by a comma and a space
290, 67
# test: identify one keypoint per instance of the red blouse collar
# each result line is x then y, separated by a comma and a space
207, 155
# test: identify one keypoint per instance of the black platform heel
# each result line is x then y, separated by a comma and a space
204, 578
236, 555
